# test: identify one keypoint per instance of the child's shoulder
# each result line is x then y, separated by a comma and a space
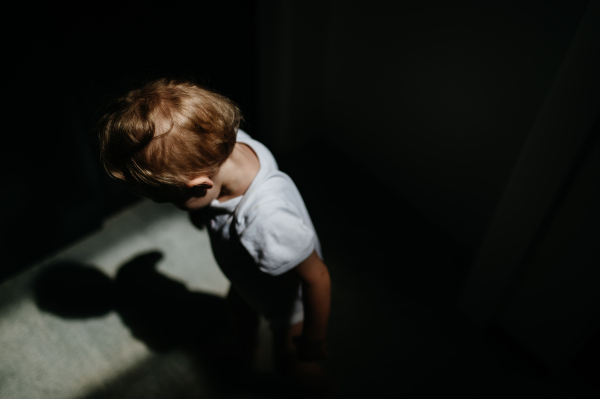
277, 194
273, 194
273, 229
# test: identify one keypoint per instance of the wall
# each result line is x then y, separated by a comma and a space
481, 115
435, 98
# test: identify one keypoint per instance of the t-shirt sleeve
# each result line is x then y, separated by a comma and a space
278, 240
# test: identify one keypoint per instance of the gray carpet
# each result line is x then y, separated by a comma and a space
82, 354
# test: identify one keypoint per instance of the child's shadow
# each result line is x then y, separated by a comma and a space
159, 311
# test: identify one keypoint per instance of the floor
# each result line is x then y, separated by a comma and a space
136, 309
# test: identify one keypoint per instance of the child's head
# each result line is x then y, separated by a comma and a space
161, 136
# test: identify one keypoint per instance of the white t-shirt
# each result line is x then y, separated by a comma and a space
261, 235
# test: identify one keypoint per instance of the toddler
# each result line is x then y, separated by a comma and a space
175, 141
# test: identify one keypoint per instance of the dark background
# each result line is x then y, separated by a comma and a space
426, 109
64, 61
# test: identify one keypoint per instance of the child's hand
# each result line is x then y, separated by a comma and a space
310, 351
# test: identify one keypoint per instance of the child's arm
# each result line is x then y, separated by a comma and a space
316, 293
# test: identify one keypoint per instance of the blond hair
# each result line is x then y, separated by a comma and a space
159, 137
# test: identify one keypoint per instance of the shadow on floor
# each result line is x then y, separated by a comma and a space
163, 314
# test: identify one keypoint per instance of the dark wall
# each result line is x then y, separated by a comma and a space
477, 115
63, 61
434, 99
444, 95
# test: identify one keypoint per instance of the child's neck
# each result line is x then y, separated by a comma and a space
238, 172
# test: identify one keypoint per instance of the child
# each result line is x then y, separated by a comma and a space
174, 141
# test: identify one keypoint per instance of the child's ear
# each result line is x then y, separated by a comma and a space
202, 181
